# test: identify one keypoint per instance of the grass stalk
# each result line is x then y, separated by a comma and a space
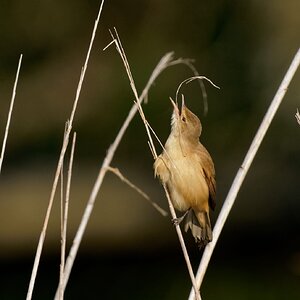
65, 213
102, 172
10, 112
165, 62
242, 172
153, 151
62, 260
117, 172
60, 161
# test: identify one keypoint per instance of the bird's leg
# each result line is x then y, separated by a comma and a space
177, 221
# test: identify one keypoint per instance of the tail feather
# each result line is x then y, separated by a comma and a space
200, 227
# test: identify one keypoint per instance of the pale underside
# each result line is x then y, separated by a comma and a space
184, 176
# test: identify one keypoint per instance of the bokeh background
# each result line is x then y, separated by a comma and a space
129, 250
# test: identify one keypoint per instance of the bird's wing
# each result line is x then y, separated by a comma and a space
211, 182
209, 173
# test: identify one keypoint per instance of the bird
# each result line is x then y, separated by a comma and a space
187, 170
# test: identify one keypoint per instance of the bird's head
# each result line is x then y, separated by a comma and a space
185, 123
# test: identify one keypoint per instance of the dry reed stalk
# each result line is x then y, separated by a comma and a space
62, 260
153, 151
60, 161
10, 112
117, 172
188, 80
189, 64
65, 213
297, 116
165, 62
240, 176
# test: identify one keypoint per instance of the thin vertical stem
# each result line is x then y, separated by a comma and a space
60, 161
153, 150
61, 269
165, 62
65, 213
242, 172
10, 112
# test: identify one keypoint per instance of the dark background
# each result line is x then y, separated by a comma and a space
129, 250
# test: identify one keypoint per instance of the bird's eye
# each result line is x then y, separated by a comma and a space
183, 119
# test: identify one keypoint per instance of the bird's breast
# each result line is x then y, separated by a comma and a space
187, 184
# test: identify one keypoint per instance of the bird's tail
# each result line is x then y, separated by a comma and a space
199, 223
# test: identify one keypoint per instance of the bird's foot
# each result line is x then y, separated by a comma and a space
177, 221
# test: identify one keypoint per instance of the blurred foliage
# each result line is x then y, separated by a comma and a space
245, 47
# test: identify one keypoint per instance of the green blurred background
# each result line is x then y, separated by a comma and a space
129, 250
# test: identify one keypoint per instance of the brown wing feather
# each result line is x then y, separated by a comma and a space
211, 182
209, 172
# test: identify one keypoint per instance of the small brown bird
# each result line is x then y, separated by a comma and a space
187, 169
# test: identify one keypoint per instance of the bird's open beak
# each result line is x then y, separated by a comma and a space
182, 104
176, 109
